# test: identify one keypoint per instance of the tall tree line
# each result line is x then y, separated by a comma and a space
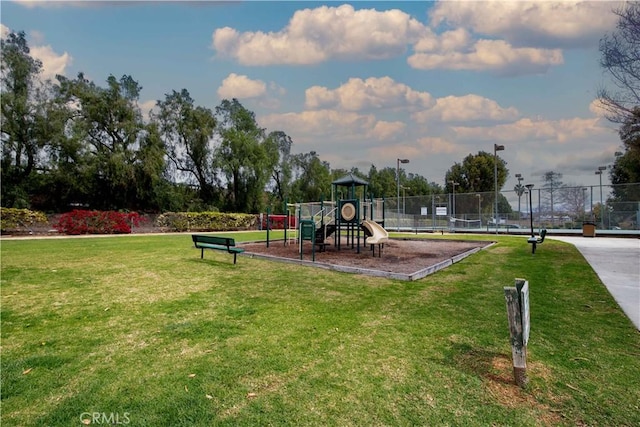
74, 143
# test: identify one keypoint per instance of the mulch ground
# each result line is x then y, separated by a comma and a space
404, 256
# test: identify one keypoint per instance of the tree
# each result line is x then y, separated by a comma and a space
278, 145
312, 178
382, 183
108, 120
149, 169
620, 59
242, 157
574, 201
187, 132
519, 189
552, 182
626, 168
476, 174
22, 119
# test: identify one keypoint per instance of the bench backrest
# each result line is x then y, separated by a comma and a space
543, 233
213, 240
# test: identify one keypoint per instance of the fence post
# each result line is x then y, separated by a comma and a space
517, 299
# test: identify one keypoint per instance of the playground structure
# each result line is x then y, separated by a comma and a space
352, 221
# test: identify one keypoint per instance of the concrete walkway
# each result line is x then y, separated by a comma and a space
617, 263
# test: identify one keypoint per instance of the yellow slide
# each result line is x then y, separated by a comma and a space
378, 234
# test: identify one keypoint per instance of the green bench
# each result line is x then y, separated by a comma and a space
537, 240
216, 243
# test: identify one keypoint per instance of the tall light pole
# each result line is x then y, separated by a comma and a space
599, 172
496, 148
403, 161
530, 188
453, 210
479, 211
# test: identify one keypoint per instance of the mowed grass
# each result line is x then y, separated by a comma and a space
140, 328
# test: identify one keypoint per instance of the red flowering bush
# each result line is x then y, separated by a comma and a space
97, 222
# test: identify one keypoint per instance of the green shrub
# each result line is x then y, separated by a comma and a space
205, 221
15, 219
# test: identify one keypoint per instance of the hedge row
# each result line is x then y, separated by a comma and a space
205, 221
12, 219
109, 222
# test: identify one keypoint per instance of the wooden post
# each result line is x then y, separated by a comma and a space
517, 299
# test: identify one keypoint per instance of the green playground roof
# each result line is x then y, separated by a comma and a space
350, 180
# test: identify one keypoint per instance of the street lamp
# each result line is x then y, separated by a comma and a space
599, 172
496, 148
453, 210
403, 161
529, 188
479, 211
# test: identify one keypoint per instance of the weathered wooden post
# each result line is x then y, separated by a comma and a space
517, 299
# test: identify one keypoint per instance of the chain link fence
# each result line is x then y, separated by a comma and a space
609, 207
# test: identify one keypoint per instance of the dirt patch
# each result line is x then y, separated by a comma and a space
407, 259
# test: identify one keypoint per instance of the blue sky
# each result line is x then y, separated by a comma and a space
361, 83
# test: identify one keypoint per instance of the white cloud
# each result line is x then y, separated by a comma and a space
387, 130
373, 93
146, 107
317, 35
466, 108
4, 31
437, 145
531, 23
241, 87
52, 63
333, 127
448, 40
598, 108
490, 55
529, 130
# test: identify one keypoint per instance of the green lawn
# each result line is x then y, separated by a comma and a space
140, 330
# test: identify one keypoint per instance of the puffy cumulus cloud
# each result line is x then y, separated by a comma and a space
466, 108
531, 23
448, 40
326, 123
373, 93
333, 127
490, 55
52, 63
529, 130
323, 33
241, 87
383, 131
438, 145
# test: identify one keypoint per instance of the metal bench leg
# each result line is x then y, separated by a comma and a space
234, 258
201, 253
533, 248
